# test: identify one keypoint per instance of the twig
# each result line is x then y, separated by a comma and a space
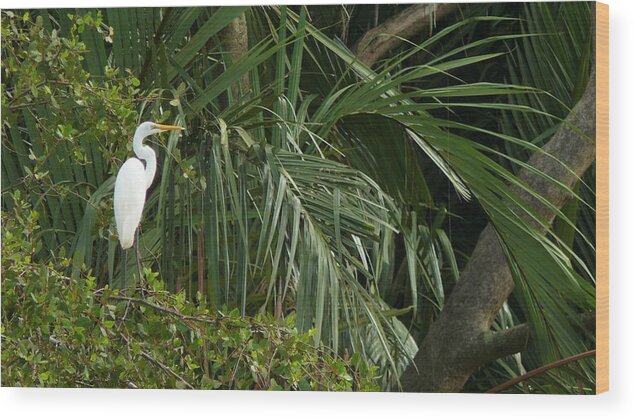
235, 368
164, 309
268, 374
84, 384
158, 363
506, 385
125, 315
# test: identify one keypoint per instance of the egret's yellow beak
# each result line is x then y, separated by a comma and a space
169, 127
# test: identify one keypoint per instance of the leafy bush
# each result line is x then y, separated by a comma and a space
60, 332
66, 131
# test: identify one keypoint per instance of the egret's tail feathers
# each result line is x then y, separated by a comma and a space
126, 242
126, 234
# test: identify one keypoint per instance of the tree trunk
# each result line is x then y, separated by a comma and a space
461, 340
234, 38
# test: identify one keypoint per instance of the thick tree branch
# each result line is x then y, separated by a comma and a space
458, 342
378, 41
496, 344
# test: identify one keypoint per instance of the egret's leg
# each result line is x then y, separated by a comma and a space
124, 261
138, 261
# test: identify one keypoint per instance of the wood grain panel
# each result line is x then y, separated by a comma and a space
603, 194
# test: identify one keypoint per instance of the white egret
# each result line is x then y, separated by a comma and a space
132, 182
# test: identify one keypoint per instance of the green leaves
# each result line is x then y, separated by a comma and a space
60, 332
71, 128
327, 195
218, 20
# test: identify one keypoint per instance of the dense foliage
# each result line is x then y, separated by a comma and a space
61, 332
309, 191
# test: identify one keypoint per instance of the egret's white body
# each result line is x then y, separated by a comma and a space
132, 182
129, 199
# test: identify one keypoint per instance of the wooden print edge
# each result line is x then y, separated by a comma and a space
602, 197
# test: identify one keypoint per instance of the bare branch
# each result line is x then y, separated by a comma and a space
541, 369
378, 41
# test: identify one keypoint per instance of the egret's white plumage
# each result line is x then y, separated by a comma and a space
133, 180
129, 199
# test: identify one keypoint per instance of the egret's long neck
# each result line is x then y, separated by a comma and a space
147, 154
